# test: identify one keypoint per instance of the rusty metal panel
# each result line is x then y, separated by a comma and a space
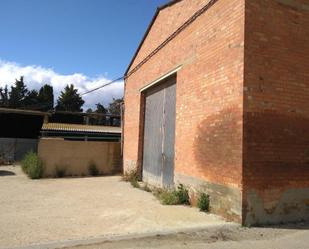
159, 134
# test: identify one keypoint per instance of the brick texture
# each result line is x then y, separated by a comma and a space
242, 100
276, 101
209, 86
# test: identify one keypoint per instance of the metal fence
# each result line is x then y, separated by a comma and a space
14, 149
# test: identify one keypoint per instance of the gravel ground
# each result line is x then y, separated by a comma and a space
45, 211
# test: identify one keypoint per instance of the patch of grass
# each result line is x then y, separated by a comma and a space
203, 202
60, 171
179, 196
168, 197
93, 169
32, 165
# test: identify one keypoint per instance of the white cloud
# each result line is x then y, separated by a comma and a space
36, 76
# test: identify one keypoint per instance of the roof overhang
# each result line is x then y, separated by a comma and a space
23, 112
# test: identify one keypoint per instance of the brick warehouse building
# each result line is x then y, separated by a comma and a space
217, 98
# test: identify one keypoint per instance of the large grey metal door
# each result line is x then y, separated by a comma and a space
159, 134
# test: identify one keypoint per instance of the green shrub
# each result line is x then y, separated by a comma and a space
173, 197
168, 197
60, 171
203, 202
26, 162
32, 165
92, 169
183, 195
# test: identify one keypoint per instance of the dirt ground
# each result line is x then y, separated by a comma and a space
52, 211
293, 236
104, 212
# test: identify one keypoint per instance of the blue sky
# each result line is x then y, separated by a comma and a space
94, 39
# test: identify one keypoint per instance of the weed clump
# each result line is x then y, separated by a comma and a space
132, 177
183, 195
32, 165
179, 196
167, 197
135, 184
93, 169
203, 202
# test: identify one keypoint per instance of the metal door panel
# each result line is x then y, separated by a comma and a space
169, 135
152, 159
159, 134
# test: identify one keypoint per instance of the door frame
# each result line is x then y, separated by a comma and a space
161, 80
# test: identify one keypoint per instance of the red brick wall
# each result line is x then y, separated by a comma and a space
209, 98
276, 109
242, 113
166, 23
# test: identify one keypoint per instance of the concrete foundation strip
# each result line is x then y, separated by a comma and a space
112, 238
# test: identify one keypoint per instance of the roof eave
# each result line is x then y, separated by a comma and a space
79, 131
23, 112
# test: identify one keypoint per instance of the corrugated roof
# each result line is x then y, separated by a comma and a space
80, 128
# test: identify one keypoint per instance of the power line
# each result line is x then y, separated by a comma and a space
157, 49
99, 87
38, 106
172, 36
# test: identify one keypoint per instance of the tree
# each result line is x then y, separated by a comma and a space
4, 97
20, 97
100, 109
89, 110
115, 106
31, 100
46, 98
99, 119
18, 93
70, 100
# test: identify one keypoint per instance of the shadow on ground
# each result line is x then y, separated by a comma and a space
6, 173
300, 225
